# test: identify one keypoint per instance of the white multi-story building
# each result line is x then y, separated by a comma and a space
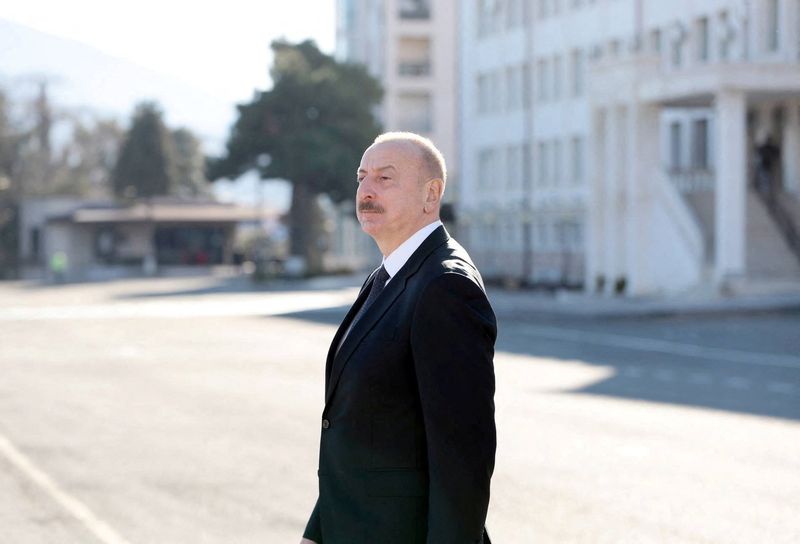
611, 143
410, 46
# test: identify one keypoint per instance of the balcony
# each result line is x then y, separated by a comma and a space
415, 10
414, 69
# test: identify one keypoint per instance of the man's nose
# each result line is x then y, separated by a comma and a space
366, 188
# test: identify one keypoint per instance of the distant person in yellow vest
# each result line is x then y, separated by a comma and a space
58, 266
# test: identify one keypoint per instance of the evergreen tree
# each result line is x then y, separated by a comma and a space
146, 166
312, 125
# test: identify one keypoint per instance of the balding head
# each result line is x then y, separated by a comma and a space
432, 164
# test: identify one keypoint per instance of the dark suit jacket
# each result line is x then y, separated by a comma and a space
408, 433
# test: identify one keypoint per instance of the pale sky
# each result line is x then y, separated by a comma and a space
221, 48
192, 40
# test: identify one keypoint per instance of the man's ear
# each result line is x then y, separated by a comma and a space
434, 192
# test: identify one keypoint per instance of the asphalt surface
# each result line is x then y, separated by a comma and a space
187, 411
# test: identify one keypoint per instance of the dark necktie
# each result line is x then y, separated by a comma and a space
378, 283
377, 287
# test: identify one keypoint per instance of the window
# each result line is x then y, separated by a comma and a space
702, 40
677, 53
773, 28
36, 240
485, 168
675, 146
483, 93
496, 92
527, 173
655, 41
513, 88
488, 12
726, 36
700, 144
557, 162
543, 76
544, 9
514, 13
577, 72
577, 159
541, 233
557, 77
526, 85
414, 9
543, 170
414, 57
513, 167
613, 49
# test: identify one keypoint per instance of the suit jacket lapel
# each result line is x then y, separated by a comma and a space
344, 325
373, 314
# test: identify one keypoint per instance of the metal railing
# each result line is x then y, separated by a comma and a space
694, 180
772, 197
414, 68
415, 9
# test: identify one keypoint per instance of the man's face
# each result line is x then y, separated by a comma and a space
391, 193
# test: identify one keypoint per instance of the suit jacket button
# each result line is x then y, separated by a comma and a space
325, 423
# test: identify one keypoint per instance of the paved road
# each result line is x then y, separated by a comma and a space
186, 411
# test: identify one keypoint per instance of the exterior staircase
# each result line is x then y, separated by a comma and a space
769, 254
772, 265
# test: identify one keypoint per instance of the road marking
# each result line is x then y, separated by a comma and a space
780, 387
663, 346
633, 372
664, 375
737, 383
80, 511
699, 378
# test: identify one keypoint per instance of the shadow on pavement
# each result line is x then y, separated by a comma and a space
756, 387
653, 376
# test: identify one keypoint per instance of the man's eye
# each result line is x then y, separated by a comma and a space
359, 179
384, 178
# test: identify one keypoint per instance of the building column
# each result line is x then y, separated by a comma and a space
790, 154
644, 162
731, 185
596, 213
614, 208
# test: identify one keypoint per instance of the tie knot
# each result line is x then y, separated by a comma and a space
381, 277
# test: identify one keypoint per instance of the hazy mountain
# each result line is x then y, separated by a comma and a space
85, 77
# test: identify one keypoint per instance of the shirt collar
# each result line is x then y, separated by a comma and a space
397, 258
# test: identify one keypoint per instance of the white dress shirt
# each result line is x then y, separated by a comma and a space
397, 258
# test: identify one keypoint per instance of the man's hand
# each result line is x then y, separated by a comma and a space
307, 541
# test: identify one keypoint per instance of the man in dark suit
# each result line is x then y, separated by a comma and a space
408, 434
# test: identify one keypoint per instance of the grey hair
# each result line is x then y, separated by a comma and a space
432, 158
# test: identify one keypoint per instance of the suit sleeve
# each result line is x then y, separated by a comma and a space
452, 338
313, 527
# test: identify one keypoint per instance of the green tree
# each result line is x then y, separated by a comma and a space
309, 128
146, 166
87, 159
10, 143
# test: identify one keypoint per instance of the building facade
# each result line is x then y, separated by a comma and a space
98, 240
410, 46
618, 144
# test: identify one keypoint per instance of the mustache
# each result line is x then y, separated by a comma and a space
369, 206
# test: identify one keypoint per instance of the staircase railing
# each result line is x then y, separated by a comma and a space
772, 199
